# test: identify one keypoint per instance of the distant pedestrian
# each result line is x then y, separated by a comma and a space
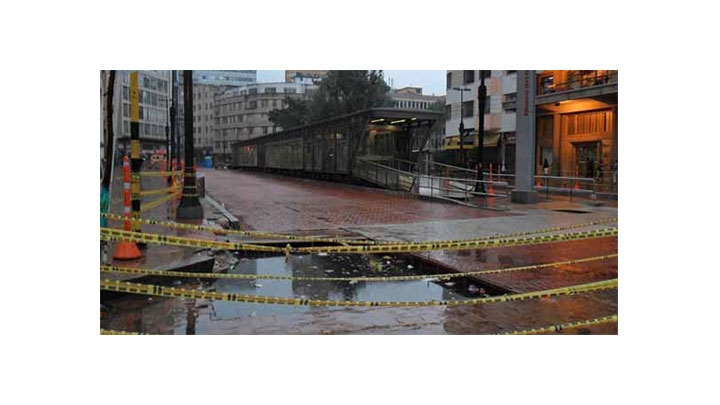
546, 167
590, 171
615, 172
600, 171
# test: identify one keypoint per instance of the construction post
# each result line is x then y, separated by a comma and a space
190, 207
135, 161
126, 250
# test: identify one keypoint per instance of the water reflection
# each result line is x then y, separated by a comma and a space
160, 315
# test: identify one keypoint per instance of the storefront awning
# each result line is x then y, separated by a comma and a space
491, 140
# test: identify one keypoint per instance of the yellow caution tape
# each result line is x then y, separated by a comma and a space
469, 244
166, 273
158, 202
562, 326
253, 234
117, 332
157, 191
160, 174
257, 234
117, 234
162, 291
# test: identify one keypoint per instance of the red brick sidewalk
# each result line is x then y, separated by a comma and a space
277, 203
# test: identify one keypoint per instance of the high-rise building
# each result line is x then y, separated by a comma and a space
225, 77
154, 98
242, 113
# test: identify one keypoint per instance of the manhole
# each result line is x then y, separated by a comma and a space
574, 211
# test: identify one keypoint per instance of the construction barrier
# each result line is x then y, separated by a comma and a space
157, 191
472, 244
428, 277
160, 174
173, 292
563, 326
222, 231
156, 203
116, 234
257, 234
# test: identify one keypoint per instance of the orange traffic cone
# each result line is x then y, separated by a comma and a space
126, 250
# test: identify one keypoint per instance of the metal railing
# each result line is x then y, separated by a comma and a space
456, 189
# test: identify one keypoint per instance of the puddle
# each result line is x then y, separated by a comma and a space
139, 313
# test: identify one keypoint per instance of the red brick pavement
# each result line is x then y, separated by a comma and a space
541, 279
279, 203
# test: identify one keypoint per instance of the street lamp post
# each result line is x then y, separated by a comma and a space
190, 207
482, 90
173, 94
461, 127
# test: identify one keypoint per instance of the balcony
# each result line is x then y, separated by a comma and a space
583, 84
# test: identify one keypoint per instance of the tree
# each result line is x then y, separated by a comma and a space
294, 115
341, 92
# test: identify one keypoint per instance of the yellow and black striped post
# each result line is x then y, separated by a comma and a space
135, 161
190, 207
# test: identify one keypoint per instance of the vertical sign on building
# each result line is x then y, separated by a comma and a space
135, 161
525, 141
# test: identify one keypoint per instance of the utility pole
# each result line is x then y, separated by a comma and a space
482, 91
190, 207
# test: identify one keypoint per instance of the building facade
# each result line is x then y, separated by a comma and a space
411, 98
242, 113
576, 123
500, 107
204, 116
315, 76
225, 77
154, 98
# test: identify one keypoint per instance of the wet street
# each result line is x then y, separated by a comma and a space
276, 203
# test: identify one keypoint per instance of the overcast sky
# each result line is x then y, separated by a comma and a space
431, 81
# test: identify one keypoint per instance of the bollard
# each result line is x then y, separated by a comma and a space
490, 190
126, 250
577, 186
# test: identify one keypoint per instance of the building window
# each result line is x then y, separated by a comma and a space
485, 73
126, 127
448, 81
125, 93
263, 103
467, 108
252, 105
270, 90
290, 90
487, 105
265, 130
448, 112
126, 110
468, 76
274, 104
252, 91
